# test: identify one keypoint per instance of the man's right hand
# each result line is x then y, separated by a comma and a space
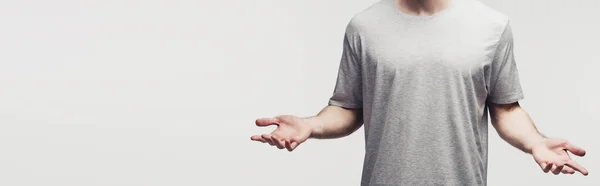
291, 131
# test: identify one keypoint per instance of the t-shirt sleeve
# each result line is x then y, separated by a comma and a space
505, 85
348, 87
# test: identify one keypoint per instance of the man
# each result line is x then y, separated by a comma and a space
422, 76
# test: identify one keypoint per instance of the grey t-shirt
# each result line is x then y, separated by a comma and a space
424, 84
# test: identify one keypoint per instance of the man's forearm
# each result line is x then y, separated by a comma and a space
514, 125
334, 122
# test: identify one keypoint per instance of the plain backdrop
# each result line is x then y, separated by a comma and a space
165, 92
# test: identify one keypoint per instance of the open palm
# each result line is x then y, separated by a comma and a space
552, 156
291, 131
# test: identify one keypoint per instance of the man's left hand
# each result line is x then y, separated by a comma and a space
552, 155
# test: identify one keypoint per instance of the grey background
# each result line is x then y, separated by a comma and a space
123, 92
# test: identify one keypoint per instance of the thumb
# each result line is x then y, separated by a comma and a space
262, 122
575, 149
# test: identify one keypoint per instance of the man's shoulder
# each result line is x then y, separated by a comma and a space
480, 13
370, 14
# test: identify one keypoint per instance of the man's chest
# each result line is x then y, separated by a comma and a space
414, 51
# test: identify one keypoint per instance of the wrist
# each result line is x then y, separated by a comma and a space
314, 125
534, 142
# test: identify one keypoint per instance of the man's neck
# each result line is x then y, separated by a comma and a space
422, 7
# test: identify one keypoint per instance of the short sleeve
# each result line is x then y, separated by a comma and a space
348, 87
505, 86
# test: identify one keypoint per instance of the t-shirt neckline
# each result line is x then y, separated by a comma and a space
397, 10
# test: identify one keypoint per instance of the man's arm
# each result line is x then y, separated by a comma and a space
335, 122
291, 131
515, 126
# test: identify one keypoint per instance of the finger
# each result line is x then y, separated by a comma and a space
267, 137
575, 149
263, 122
577, 167
546, 167
258, 138
557, 169
298, 139
288, 146
568, 170
277, 142
294, 145
542, 165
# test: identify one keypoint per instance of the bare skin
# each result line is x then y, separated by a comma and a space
422, 7
511, 121
291, 131
515, 126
